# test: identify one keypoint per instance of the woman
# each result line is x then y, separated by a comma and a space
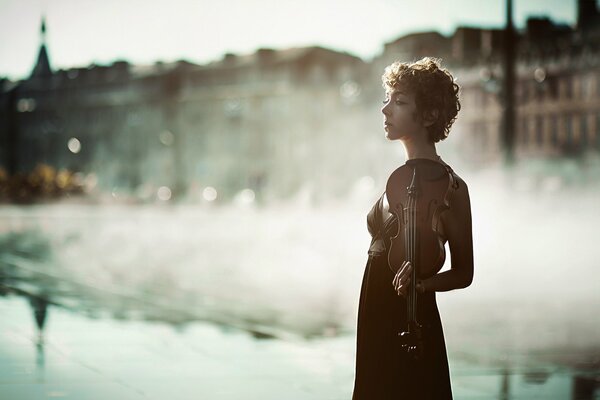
420, 106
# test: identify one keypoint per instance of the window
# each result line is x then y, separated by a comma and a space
539, 131
524, 92
569, 130
552, 83
587, 86
568, 87
539, 92
524, 132
583, 128
554, 130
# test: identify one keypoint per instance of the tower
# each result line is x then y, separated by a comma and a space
42, 66
587, 14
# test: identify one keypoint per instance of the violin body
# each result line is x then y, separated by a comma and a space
432, 198
418, 192
411, 340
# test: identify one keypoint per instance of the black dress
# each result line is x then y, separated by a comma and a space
383, 371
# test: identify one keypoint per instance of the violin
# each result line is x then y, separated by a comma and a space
418, 192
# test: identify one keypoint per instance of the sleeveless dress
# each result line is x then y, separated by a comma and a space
383, 371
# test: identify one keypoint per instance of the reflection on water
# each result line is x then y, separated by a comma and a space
505, 385
40, 356
39, 305
586, 387
149, 264
530, 315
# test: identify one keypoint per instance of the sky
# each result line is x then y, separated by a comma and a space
81, 32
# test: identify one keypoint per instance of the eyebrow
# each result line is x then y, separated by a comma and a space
396, 92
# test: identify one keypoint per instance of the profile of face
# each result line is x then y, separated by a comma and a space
401, 120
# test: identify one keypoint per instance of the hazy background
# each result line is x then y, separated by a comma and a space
82, 32
174, 192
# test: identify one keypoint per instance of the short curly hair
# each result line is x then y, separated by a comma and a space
434, 88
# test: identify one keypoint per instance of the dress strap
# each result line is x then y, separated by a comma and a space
453, 176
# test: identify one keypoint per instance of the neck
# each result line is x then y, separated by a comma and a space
420, 150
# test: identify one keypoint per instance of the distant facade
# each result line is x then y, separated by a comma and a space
557, 85
245, 122
557, 95
276, 121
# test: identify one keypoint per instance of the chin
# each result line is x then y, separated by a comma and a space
391, 136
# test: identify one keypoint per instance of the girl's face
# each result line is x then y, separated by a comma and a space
400, 116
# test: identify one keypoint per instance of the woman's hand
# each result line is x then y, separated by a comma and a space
402, 280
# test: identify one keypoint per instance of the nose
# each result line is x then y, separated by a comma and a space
385, 108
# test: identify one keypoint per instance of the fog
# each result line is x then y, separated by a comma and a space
295, 269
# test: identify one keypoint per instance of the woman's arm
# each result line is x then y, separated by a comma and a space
458, 229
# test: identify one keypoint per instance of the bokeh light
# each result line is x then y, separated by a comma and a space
164, 193
74, 145
167, 138
245, 197
209, 193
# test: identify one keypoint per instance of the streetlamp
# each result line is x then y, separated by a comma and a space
508, 117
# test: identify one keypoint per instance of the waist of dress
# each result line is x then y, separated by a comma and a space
378, 257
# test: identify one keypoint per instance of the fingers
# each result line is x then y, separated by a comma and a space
402, 279
403, 288
396, 279
403, 272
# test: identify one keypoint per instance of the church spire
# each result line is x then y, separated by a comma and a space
42, 66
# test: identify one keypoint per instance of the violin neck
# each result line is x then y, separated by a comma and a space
411, 300
411, 247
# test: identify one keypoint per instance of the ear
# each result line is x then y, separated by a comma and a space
430, 116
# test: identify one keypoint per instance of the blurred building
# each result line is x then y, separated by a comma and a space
245, 122
557, 84
557, 94
277, 121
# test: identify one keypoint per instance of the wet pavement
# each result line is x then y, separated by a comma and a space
79, 357
84, 358
142, 303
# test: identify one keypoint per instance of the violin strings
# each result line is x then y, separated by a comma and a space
414, 268
412, 251
409, 248
407, 241
412, 257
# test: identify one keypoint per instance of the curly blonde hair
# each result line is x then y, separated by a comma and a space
434, 89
